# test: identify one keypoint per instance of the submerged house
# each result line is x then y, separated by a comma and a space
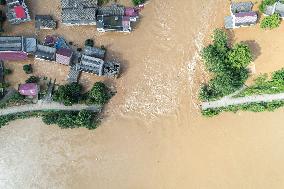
17, 11
79, 12
43, 22
45, 53
277, 7
16, 47
241, 15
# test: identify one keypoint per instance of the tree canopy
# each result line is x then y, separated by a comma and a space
271, 22
228, 66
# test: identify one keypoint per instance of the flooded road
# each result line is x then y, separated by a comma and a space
152, 135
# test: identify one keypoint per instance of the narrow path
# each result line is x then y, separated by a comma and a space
227, 101
47, 106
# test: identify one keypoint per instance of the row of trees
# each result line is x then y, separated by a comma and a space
65, 119
228, 66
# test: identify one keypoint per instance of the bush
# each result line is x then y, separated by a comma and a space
99, 94
7, 71
28, 68
89, 42
68, 94
265, 3
33, 79
138, 2
2, 2
271, 22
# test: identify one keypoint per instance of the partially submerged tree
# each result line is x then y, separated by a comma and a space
28, 68
228, 66
68, 94
99, 94
89, 42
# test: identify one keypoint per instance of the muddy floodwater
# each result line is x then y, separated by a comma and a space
152, 135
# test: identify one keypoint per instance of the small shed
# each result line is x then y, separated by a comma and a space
29, 89
64, 56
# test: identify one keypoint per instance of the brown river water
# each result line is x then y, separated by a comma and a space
152, 135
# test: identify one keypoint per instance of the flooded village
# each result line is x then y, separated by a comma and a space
126, 81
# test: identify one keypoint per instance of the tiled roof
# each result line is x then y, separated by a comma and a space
113, 10
91, 64
44, 22
245, 18
77, 3
241, 7
79, 16
95, 52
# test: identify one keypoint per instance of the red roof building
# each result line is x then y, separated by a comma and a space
20, 12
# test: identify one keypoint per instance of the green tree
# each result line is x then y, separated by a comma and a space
7, 71
138, 2
89, 42
228, 66
265, 3
32, 79
99, 94
271, 22
68, 94
240, 56
28, 68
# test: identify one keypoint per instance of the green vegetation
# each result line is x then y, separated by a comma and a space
271, 22
7, 71
2, 2
28, 68
16, 99
68, 94
102, 2
99, 94
33, 79
138, 2
64, 119
253, 107
265, 3
263, 85
89, 42
228, 67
